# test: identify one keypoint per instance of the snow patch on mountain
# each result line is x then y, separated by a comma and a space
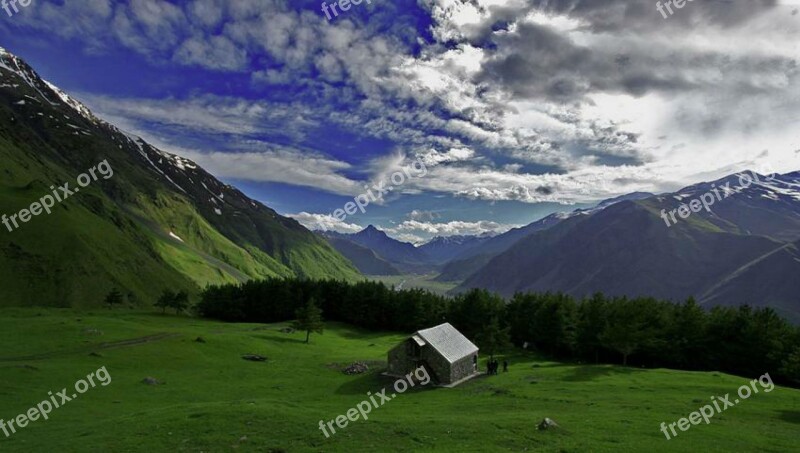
138, 142
69, 101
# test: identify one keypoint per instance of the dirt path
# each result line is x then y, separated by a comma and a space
93, 348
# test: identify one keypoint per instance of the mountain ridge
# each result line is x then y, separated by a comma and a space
160, 222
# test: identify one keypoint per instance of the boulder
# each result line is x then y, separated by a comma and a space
547, 423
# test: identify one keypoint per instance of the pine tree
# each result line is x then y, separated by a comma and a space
309, 319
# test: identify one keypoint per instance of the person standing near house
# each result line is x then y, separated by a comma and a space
505, 366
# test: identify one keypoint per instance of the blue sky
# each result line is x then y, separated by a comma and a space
517, 108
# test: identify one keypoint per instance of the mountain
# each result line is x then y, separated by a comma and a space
720, 257
402, 255
759, 283
470, 261
159, 222
365, 260
442, 249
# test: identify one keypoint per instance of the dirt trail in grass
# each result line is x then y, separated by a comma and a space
93, 348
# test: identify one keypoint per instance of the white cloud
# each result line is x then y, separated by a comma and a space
325, 222
279, 165
216, 52
454, 228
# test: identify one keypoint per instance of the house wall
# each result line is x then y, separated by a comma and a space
440, 368
462, 368
400, 360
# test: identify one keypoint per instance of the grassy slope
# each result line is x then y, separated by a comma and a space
212, 398
92, 243
85, 237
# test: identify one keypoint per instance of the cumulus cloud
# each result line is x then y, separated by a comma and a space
524, 100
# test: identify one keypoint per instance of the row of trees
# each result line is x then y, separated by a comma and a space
640, 331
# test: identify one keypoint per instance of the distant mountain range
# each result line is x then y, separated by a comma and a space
403, 256
746, 250
363, 258
161, 222
742, 252
455, 257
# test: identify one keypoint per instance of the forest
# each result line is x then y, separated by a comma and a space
640, 332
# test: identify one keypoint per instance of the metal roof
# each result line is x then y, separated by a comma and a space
448, 341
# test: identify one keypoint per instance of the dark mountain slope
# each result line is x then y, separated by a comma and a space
366, 261
402, 255
470, 261
442, 249
627, 249
758, 284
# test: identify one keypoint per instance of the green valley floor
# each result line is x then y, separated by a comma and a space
211, 400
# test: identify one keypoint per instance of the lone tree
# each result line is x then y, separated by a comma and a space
309, 319
165, 301
114, 298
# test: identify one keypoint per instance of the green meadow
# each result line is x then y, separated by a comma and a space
211, 400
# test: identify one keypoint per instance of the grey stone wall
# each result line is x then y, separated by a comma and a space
440, 368
462, 368
400, 362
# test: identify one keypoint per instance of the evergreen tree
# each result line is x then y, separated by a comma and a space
309, 319
114, 298
592, 321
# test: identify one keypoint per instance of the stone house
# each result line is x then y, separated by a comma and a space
448, 355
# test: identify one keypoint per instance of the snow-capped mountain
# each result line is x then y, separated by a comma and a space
743, 251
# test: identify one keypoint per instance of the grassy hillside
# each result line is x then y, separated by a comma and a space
212, 400
159, 222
